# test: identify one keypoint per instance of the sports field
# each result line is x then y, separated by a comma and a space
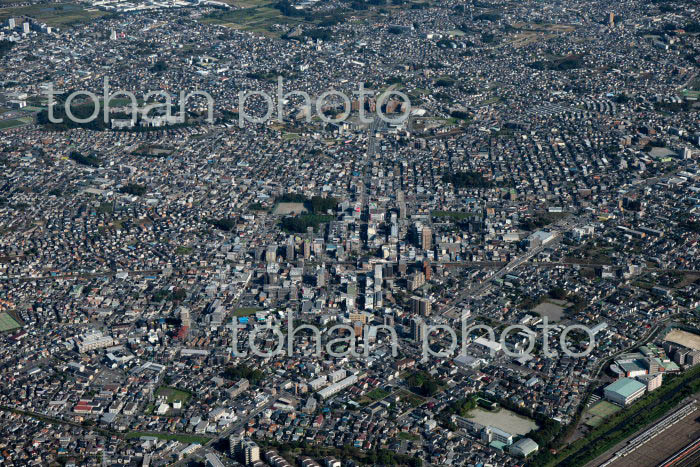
7, 322
684, 338
600, 412
604, 409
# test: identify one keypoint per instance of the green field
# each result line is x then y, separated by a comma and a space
14, 122
451, 214
408, 436
240, 312
183, 250
377, 394
173, 394
260, 16
183, 438
412, 399
7, 322
56, 15
257, 18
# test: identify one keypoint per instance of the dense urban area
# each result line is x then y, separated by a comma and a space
488, 254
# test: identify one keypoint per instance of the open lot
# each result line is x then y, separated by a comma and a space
552, 309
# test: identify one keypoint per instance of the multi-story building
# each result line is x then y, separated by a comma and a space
244, 449
421, 306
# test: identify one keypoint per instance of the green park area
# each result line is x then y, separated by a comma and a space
276, 18
406, 436
377, 394
245, 311
173, 394
14, 122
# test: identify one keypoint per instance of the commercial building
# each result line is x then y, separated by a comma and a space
540, 238
92, 341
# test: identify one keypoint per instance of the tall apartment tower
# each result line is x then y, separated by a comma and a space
417, 329
427, 238
401, 202
271, 254
421, 306
11, 23
244, 449
289, 253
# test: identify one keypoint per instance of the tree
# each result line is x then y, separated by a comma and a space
5, 47
226, 224
92, 161
159, 67
133, 189
254, 376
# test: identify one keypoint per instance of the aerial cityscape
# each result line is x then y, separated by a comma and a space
350, 233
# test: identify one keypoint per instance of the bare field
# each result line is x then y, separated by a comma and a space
684, 338
289, 208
